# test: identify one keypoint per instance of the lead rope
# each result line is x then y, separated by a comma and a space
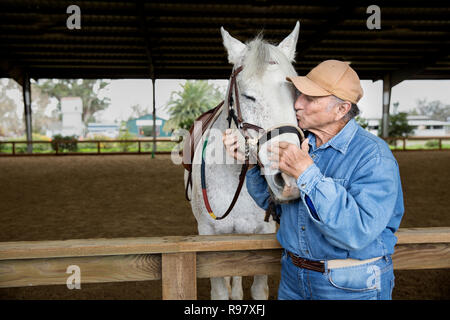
236, 118
205, 193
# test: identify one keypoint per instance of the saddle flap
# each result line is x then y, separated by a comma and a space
192, 140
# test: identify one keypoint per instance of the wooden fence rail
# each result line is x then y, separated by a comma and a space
98, 143
393, 140
179, 261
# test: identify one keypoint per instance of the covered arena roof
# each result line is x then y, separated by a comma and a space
181, 39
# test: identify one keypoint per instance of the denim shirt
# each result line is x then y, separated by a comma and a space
354, 194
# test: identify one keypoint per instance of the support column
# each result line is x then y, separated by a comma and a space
26, 89
154, 118
386, 102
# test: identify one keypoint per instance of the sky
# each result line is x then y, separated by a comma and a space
125, 93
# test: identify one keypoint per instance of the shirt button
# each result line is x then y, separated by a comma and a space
313, 156
303, 185
303, 228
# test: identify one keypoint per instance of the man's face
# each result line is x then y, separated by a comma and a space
314, 112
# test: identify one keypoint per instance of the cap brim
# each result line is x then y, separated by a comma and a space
306, 86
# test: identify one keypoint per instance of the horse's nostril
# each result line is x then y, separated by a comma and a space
278, 180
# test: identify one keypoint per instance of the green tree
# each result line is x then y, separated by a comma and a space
86, 89
10, 123
138, 111
195, 98
362, 122
39, 104
398, 126
436, 109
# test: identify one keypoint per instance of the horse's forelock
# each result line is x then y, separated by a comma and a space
260, 54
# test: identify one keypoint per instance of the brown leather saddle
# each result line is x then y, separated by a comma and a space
191, 141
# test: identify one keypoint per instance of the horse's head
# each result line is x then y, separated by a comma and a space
266, 98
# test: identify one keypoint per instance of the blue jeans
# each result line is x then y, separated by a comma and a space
370, 281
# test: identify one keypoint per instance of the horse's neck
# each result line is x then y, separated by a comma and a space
219, 126
221, 122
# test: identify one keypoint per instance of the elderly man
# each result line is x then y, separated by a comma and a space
338, 238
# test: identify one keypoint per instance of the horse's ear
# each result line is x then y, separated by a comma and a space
234, 47
289, 44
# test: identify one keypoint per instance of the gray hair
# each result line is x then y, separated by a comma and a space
353, 112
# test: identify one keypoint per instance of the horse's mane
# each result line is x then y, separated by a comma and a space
260, 54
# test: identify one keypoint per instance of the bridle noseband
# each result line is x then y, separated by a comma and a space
242, 126
235, 115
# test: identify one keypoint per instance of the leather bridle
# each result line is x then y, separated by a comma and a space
242, 126
235, 115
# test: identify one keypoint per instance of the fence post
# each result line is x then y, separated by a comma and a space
440, 144
404, 144
98, 146
14, 148
179, 276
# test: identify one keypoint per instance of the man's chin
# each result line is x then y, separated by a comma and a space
301, 125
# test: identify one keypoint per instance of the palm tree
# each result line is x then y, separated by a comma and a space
195, 98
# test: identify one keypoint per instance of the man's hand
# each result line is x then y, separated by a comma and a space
289, 158
230, 142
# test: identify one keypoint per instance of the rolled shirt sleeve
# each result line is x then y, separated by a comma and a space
352, 218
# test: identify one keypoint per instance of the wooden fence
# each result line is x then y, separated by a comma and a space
393, 140
98, 143
179, 261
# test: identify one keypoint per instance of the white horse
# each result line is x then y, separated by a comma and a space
266, 100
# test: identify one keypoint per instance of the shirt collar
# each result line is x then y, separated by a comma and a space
340, 141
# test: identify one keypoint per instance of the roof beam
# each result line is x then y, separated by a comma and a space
10, 70
341, 14
415, 68
144, 31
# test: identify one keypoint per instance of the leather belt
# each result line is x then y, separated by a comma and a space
307, 264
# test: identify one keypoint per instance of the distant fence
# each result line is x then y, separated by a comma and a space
96, 147
431, 143
178, 261
145, 146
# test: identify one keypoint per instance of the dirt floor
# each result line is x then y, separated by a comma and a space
76, 197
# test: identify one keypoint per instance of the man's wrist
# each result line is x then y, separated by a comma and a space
300, 172
309, 178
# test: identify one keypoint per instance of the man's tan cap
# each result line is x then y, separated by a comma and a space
330, 77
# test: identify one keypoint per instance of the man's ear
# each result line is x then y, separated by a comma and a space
343, 109
234, 47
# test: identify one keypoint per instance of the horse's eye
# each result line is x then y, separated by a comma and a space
249, 97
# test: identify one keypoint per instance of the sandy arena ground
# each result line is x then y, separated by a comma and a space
79, 197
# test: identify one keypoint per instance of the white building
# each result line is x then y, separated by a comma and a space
72, 109
423, 126
72, 124
110, 130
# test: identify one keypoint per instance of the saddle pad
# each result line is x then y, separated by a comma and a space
192, 140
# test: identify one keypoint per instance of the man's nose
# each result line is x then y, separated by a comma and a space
298, 103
